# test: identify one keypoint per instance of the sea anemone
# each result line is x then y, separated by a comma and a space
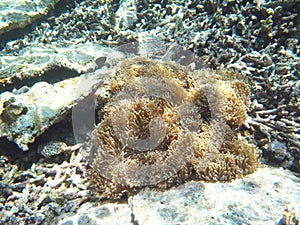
165, 124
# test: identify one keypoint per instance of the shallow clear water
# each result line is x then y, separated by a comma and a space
149, 112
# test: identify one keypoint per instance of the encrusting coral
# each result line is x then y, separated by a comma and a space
164, 125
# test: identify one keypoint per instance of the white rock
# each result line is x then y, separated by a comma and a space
26, 115
93, 213
35, 61
259, 198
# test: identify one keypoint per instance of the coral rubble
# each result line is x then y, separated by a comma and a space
162, 133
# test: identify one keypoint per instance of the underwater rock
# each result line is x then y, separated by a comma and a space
279, 155
18, 14
164, 124
34, 62
25, 114
259, 198
94, 213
